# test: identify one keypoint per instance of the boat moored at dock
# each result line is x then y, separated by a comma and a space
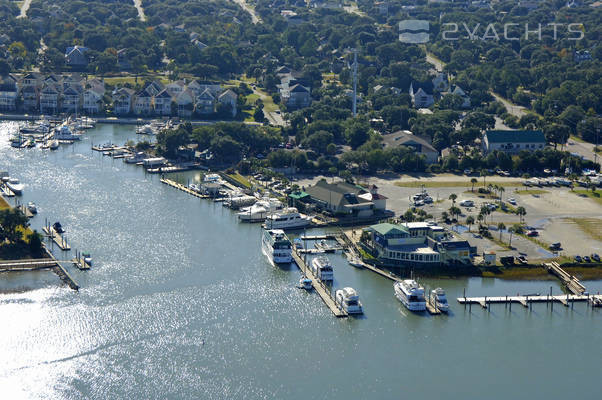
288, 218
348, 299
276, 246
322, 268
411, 294
439, 300
15, 186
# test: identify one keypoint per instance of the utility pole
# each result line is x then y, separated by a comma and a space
354, 83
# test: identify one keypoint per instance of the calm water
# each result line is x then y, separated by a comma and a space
181, 304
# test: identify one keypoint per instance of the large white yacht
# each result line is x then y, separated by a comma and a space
410, 294
259, 211
276, 246
349, 301
322, 268
288, 218
14, 185
439, 299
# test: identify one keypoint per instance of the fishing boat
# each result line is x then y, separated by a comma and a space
136, 158
147, 129
53, 144
58, 228
64, 132
349, 301
410, 294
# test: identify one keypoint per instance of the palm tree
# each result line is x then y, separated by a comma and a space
501, 190
453, 198
473, 181
501, 227
512, 229
480, 218
483, 173
444, 216
521, 212
469, 221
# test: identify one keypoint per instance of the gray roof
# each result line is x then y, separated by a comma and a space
508, 136
338, 193
401, 138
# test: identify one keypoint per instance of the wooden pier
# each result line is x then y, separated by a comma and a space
27, 265
319, 287
569, 281
183, 188
5, 191
431, 307
81, 264
56, 238
526, 301
23, 208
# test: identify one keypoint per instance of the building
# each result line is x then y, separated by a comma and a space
71, 99
31, 97
458, 91
163, 103
440, 82
230, 99
422, 96
205, 103
9, 93
75, 56
49, 99
298, 96
513, 141
344, 199
93, 96
143, 103
122, 101
406, 138
185, 102
419, 244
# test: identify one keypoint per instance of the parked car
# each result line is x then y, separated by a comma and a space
596, 257
467, 203
532, 233
512, 201
578, 259
555, 246
522, 259
587, 259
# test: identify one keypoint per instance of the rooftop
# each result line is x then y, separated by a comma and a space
508, 136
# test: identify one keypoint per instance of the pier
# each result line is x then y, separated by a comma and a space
27, 265
183, 188
56, 238
319, 287
5, 191
526, 300
431, 306
23, 208
569, 281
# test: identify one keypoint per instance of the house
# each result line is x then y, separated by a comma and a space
415, 244
122, 100
143, 103
154, 88
298, 96
93, 96
31, 79
163, 103
75, 56
379, 200
72, 100
230, 99
440, 82
199, 87
49, 99
420, 144
513, 141
205, 103
458, 91
31, 97
175, 88
340, 198
422, 96
185, 102
8, 93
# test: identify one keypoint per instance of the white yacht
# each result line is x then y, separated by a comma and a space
147, 129
410, 294
354, 260
259, 211
349, 301
276, 246
439, 300
64, 132
14, 185
288, 218
322, 268
87, 258
136, 158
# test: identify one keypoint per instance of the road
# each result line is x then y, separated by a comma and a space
24, 8
517, 111
254, 16
438, 64
138, 5
584, 149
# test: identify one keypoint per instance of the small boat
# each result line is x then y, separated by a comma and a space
31, 206
324, 246
14, 185
53, 145
298, 244
439, 300
194, 187
355, 261
305, 283
87, 258
58, 228
349, 301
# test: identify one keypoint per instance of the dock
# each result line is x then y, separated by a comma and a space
173, 169
318, 237
56, 238
23, 208
526, 301
27, 265
431, 307
5, 191
319, 287
569, 281
183, 188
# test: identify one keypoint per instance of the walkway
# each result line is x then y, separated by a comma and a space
24, 9
254, 16
138, 5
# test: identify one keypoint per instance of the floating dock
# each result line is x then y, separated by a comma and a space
81, 264
56, 238
183, 188
319, 287
431, 307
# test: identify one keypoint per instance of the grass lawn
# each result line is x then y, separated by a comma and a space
241, 179
3, 203
442, 184
532, 191
590, 226
251, 99
577, 139
592, 195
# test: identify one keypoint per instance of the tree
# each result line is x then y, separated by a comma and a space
35, 244
556, 133
501, 189
521, 212
258, 115
511, 230
453, 198
356, 132
10, 222
501, 226
4, 67
469, 222
444, 216
473, 181
478, 120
